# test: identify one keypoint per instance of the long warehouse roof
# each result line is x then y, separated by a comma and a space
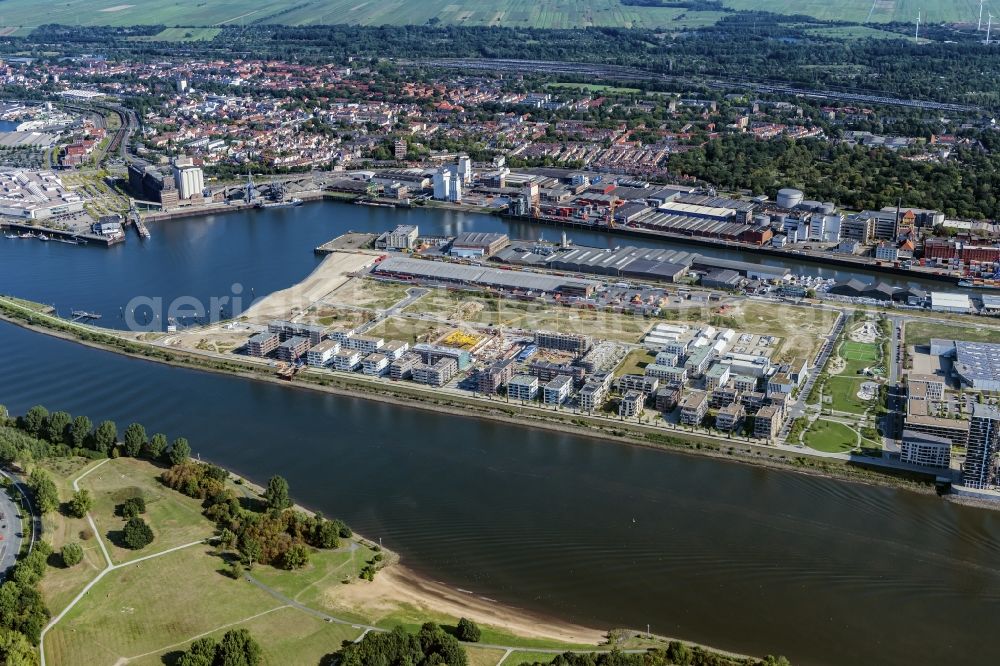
440, 270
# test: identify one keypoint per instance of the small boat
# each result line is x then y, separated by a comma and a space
11, 236
27, 234
42, 237
68, 241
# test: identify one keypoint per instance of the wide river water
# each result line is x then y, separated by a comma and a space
747, 559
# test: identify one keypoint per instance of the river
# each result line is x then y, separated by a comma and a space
752, 560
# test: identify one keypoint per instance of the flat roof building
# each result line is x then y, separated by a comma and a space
320, 355
262, 344
984, 437
557, 390
522, 387
917, 448
693, 406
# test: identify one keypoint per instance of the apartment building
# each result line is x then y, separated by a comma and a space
320, 356
522, 387
766, 423
438, 374
694, 406
262, 344
557, 390
631, 404
366, 344
716, 377
491, 378
647, 385
347, 360
730, 417
291, 349
568, 342
402, 367
917, 448
668, 373
984, 439
375, 365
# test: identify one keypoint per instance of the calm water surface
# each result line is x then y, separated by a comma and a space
747, 559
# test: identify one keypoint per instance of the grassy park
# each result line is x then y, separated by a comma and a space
858, 356
841, 395
830, 437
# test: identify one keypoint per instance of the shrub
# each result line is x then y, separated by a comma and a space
72, 554
137, 534
468, 631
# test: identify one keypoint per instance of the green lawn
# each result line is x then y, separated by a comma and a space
858, 356
843, 392
483, 656
175, 518
594, 88
150, 606
830, 436
920, 333
286, 636
518, 658
635, 363
326, 570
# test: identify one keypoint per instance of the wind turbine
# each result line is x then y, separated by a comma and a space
979, 28
916, 35
989, 24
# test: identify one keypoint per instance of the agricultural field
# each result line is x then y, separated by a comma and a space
920, 333
181, 35
868, 11
21, 14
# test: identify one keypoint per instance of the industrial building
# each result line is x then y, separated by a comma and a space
490, 278
948, 302
189, 179
476, 244
36, 195
403, 237
977, 364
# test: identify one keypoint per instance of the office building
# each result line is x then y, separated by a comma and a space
980, 456
928, 387
917, 448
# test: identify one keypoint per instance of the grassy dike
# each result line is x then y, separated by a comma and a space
413, 396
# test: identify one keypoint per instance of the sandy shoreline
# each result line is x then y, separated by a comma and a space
397, 584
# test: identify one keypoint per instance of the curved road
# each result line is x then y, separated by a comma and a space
12, 525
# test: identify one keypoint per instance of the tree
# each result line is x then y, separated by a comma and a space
58, 427
105, 437
236, 570
133, 507
201, 653
468, 631
296, 557
79, 431
72, 554
156, 446
80, 503
251, 549
135, 439
237, 648
35, 420
4, 415
46, 493
16, 649
137, 534
276, 494
180, 451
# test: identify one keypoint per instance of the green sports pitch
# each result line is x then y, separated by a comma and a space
859, 351
20, 16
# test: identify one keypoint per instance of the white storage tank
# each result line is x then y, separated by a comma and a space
789, 197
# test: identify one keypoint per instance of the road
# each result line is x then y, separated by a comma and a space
12, 524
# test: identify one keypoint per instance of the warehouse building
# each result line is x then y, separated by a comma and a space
977, 364
942, 301
472, 244
491, 278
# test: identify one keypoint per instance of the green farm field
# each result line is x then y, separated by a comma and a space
509, 13
872, 11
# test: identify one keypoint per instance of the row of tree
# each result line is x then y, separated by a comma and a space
59, 433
